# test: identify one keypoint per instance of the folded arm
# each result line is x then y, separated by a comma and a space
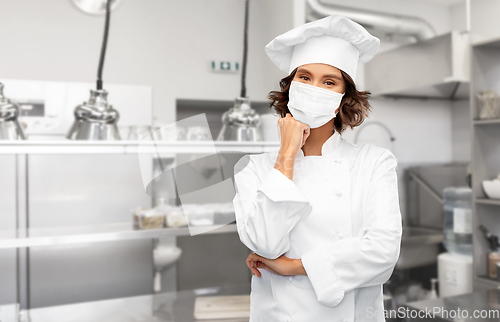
266, 210
356, 262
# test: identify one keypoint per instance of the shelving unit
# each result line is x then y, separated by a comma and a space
485, 74
131, 147
93, 234
36, 169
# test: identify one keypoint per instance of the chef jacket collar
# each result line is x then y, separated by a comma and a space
329, 147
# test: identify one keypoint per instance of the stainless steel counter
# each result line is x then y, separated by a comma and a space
477, 306
171, 307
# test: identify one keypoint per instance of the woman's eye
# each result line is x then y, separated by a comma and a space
330, 83
304, 77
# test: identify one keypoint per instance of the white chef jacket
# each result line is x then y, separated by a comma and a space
340, 215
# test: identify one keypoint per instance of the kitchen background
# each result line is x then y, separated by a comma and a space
163, 51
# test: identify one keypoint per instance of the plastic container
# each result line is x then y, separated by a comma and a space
145, 218
458, 220
175, 217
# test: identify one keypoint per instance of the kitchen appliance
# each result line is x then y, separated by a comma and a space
455, 267
10, 129
457, 207
241, 122
96, 119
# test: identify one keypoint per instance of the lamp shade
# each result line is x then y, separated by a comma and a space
10, 129
95, 119
240, 123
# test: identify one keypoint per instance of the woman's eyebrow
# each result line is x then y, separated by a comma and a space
303, 70
332, 76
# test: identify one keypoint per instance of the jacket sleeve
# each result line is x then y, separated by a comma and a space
266, 209
357, 262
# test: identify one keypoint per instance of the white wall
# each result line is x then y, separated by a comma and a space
165, 44
484, 17
422, 129
168, 45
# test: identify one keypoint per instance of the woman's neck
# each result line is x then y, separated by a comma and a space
317, 138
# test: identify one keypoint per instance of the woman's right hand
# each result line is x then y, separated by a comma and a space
293, 135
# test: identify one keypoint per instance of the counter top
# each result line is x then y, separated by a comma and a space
477, 306
161, 307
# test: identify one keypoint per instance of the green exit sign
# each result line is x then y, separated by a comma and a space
225, 66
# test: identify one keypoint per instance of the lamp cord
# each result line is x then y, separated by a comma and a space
104, 43
245, 50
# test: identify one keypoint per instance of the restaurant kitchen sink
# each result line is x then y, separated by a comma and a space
419, 247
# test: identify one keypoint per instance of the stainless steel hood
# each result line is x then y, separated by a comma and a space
380, 21
433, 68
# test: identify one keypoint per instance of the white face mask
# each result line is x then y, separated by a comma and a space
312, 105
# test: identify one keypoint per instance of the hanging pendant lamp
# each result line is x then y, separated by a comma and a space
96, 119
10, 129
241, 122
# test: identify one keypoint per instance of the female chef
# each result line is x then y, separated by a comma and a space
321, 214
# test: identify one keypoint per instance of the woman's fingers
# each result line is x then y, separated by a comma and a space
251, 263
305, 134
291, 133
253, 268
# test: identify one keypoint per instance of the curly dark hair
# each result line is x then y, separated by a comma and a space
354, 107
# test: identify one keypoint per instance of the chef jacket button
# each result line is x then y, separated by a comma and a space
338, 193
290, 279
340, 235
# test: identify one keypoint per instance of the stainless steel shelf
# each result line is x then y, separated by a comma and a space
132, 147
486, 121
91, 234
488, 201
